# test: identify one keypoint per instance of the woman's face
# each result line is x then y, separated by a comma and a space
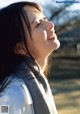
44, 39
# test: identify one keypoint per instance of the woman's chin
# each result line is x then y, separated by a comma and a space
55, 45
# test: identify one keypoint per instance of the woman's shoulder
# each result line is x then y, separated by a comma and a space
16, 91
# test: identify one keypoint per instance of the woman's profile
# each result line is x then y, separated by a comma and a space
27, 39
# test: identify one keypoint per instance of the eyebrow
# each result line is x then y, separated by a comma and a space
37, 18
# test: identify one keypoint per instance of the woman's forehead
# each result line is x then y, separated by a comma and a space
32, 9
33, 13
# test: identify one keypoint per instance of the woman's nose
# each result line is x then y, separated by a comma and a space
49, 25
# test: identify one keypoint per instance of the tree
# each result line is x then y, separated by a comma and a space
63, 17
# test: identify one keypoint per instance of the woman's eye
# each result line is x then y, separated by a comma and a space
37, 24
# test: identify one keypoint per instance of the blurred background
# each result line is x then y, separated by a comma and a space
64, 68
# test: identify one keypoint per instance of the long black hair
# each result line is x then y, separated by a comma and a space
12, 32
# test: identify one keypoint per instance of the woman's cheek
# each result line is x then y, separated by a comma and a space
42, 34
37, 33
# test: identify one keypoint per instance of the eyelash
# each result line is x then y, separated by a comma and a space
38, 24
45, 18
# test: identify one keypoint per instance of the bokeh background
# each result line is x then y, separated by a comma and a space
64, 64
64, 70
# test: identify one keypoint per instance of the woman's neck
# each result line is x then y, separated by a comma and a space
42, 63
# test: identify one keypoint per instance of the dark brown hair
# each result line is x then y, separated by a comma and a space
12, 32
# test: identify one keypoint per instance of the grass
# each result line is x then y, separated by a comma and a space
66, 95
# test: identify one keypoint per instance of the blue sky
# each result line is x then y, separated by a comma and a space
4, 3
75, 6
51, 4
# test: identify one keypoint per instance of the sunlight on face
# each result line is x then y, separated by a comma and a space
44, 39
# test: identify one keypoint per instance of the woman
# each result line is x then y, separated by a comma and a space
27, 39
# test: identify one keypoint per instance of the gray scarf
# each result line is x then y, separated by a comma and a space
32, 78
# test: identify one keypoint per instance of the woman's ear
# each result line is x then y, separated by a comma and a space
20, 49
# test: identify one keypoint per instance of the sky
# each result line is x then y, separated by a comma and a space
4, 3
47, 12
75, 6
